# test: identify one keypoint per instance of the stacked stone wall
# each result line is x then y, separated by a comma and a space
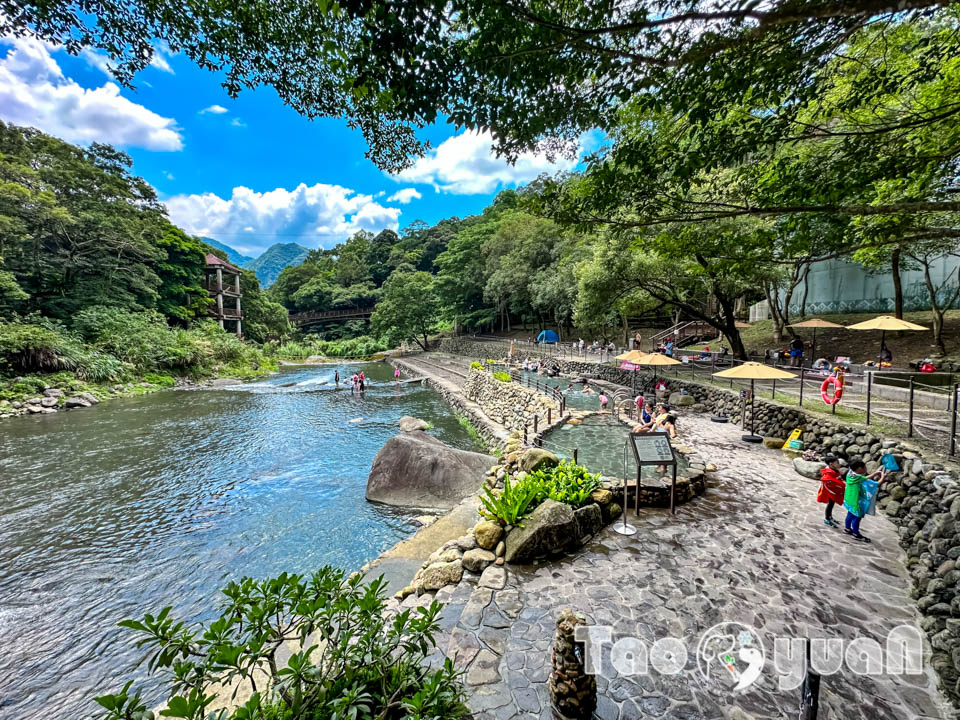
508, 403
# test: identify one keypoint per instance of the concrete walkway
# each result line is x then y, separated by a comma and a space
754, 550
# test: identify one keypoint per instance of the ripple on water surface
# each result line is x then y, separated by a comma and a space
158, 500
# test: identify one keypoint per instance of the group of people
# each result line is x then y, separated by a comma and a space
359, 382
853, 489
661, 419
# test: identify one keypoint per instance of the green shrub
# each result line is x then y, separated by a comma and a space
359, 665
476, 366
513, 503
38, 347
358, 347
163, 381
567, 483
502, 376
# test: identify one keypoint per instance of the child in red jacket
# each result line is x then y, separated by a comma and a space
832, 487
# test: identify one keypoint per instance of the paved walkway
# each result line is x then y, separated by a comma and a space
753, 549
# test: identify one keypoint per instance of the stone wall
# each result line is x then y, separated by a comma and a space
509, 403
493, 436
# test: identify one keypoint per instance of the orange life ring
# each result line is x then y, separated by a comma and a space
837, 390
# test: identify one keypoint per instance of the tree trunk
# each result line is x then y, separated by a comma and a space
729, 327
773, 300
806, 291
897, 284
938, 310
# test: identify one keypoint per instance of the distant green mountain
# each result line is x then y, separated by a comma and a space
274, 259
232, 255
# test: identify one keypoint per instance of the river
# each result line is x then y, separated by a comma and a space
118, 510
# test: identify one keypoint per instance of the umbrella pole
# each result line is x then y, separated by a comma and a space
751, 409
813, 350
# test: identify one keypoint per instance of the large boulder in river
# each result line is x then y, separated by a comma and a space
416, 470
548, 531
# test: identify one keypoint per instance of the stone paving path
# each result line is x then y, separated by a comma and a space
753, 549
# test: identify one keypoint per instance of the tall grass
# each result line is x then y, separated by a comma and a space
363, 346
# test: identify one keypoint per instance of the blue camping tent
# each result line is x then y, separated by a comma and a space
547, 336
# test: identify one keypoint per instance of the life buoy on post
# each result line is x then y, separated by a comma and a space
837, 383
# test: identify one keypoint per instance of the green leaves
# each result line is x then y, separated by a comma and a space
567, 483
351, 661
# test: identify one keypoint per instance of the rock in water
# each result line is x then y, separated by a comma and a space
412, 424
549, 530
417, 470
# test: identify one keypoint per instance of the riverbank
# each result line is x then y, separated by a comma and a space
58, 392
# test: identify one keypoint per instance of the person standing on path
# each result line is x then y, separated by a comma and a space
832, 488
858, 490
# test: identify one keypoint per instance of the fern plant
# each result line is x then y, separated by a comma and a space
515, 502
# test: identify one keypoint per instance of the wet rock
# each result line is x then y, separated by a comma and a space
412, 424
488, 534
49, 402
589, 521
477, 560
75, 402
53, 393
425, 520
548, 530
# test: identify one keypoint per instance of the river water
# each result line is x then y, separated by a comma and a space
118, 510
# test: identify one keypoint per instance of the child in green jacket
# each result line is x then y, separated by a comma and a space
853, 494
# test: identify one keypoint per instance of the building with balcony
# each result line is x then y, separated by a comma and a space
223, 284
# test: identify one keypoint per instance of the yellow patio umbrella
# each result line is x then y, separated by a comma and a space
753, 371
815, 323
884, 323
633, 357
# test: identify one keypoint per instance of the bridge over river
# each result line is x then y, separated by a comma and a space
309, 318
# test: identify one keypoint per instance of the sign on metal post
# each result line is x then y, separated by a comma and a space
653, 448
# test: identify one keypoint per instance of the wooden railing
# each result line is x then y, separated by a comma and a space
308, 317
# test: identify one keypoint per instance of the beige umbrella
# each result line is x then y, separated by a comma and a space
884, 323
815, 323
753, 371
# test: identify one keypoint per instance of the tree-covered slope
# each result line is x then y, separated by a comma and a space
274, 259
233, 256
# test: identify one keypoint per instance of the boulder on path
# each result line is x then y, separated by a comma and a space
477, 560
774, 443
488, 534
550, 528
412, 424
536, 459
679, 399
417, 470
808, 468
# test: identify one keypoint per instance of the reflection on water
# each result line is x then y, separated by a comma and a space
120, 509
601, 444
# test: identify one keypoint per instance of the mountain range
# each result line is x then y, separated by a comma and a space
269, 264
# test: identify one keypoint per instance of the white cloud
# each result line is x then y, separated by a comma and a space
237, 122
315, 216
214, 110
405, 196
35, 92
169, 175
105, 65
465, 165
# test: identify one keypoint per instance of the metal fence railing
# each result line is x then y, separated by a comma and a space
925, 405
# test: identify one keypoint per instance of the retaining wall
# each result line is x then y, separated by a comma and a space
508, 403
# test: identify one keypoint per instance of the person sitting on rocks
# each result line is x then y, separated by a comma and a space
646, 420
832, 488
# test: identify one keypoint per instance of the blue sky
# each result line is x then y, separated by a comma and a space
248, 172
